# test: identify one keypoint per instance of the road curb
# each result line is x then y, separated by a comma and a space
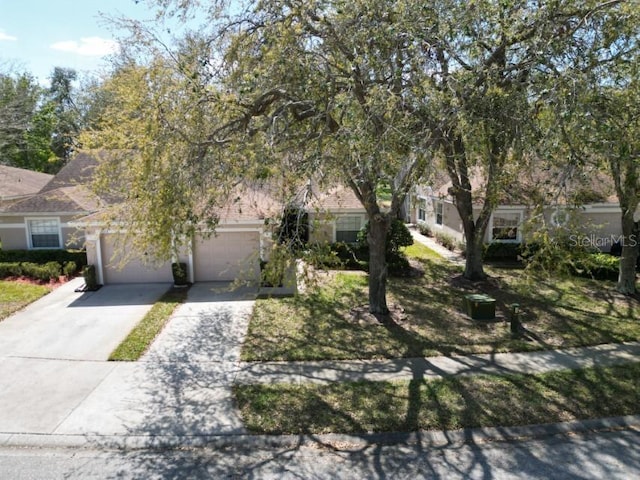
426, 439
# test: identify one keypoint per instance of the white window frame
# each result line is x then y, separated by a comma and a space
438, 206
518, 238
422, 209
335, 222
27, 228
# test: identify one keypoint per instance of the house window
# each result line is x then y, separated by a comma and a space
44, 233
505, 227
439, 213
347, 228
422, 210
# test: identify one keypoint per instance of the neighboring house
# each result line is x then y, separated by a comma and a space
595, 221
62, 212
36, 212
335, 215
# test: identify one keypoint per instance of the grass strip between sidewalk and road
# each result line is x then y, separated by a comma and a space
139, 339
15, 296
445, 404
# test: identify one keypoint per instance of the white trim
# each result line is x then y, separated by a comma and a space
435, 214
192, 274
42, 214
518, 238
100, 265
362, 216
12, 225
30, 240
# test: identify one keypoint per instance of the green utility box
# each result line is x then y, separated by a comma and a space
480, 307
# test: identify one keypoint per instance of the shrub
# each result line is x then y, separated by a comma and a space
44, 256
600, 266
69, 269
12, 269
425, 229
90, 277
41, 272
446, 240
398, 236
502, 251
179, 271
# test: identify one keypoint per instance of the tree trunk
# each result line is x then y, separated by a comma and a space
377, 237
627, 273
474, 265
474, 237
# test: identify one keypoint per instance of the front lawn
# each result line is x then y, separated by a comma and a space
446, 404
323, 324
15, 296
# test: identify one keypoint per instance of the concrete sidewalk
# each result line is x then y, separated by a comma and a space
445, 253
436, 367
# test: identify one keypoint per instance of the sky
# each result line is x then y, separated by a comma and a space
38, 35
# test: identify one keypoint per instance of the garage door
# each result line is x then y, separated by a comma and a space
135, 271
229, 256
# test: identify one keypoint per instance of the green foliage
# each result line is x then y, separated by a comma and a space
10, 269
44, 272
69, 269
600, 266
446, 240
44, 256
143, 334
179, 271
502, 251
338, 256
90, 277
425, 229
398, 236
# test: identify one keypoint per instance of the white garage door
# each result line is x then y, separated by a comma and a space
135, 271
229, 256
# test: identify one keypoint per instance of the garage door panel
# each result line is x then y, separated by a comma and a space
134, 271
227, 257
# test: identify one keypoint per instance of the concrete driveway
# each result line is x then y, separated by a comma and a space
53, 353
64, 386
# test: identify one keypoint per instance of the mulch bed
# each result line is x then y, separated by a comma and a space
53, 283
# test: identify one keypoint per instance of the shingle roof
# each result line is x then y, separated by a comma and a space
76, 199
16, 182
79, 171
591, 186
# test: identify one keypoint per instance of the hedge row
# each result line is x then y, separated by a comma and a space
41, 265
44, 272
44, 256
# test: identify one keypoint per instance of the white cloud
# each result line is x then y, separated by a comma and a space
7, 37
89, 46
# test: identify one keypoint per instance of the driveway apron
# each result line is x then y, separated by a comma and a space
53, 353
182, 385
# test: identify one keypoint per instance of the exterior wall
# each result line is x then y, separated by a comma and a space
13, 231
451, 222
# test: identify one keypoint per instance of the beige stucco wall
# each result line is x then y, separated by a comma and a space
13, 231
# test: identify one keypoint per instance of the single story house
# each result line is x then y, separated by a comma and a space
593, 216
36, 208
64, 213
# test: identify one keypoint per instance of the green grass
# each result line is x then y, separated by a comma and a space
15, 296
139, 339
447, 404
557, 313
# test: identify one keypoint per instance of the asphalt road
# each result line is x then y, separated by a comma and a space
604, 455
